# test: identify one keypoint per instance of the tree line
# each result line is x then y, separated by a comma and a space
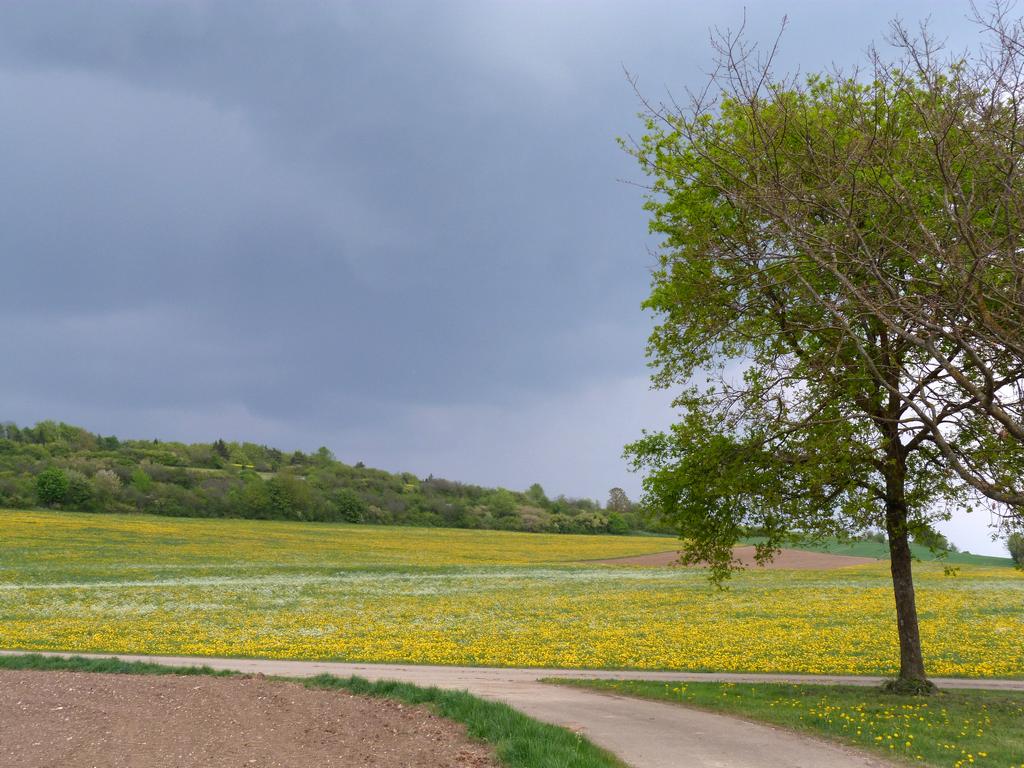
63, 466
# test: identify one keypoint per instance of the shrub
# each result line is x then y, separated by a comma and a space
79, 492
141, 481
51, 486
348, 506
617, 524
107, 483
929, 537
1015, 543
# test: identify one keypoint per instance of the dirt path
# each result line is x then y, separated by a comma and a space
83, 720
644, 734
787, 559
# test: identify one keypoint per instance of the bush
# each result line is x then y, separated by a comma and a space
1015, 543
79, 493
141, 481
928, 537
348, 506
617, 524
107, 484
51, 486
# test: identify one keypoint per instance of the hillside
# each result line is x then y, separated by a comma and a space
880, 549
62, 466
875, 546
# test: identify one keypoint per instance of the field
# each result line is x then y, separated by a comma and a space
82, 582
881, 549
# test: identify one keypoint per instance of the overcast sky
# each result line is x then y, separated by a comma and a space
396, 229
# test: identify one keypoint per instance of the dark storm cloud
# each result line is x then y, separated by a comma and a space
370, 200
394, 228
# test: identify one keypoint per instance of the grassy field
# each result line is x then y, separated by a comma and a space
880, 549
952, 729
315, 591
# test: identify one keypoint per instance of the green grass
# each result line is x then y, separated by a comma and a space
880, 550
108, 665
517, 740
951, 729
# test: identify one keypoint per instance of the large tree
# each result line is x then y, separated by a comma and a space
839, 299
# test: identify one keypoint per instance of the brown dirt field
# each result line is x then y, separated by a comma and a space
91, 720
787, 559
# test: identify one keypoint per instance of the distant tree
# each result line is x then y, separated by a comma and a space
349, 506
253, 499
289, 497
617, 524
590, 522
535, 494
45, 432
79, 493
221, 448
928, 537
51, 486
141, 481
618, 501
110, 443
1015, 543
107, 484
500, 503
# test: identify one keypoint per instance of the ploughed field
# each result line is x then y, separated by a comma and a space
84, 719
79, 582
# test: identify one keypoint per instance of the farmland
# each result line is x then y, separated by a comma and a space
83, 582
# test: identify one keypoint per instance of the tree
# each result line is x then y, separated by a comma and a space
500, 503
807, 227
141, 480
289, 497
79, 492
618, 501
931, 538
51, 486
107, 484
349, 506
535, 494
1015, 543
617, 524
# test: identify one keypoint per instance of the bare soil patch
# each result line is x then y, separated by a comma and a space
90, 720
787, 559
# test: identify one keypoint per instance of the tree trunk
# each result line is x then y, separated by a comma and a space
911, 656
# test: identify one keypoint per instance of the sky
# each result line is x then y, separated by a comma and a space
402, 230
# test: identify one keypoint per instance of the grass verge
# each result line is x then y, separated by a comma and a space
950, 729
518, 741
